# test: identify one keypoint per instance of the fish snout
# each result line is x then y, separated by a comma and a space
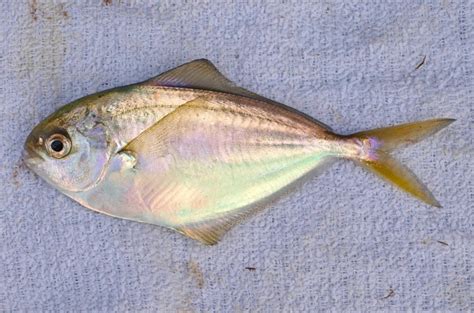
30, 154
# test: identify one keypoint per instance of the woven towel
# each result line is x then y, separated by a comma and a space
344, 241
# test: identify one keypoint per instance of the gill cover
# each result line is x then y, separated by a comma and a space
85, 165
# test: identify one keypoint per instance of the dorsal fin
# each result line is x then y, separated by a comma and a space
202, 74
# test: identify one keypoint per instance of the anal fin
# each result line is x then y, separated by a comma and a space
211, 231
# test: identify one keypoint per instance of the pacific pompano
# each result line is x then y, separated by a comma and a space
191, 151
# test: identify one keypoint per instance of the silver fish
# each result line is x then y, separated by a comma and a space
191, 151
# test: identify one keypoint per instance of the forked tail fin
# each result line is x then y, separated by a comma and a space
377, 143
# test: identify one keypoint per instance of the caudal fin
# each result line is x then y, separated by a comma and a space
377, 143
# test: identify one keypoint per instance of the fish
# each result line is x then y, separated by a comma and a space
192, 151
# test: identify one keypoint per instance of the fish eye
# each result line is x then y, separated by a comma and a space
58, 146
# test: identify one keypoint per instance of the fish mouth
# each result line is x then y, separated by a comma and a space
30, 156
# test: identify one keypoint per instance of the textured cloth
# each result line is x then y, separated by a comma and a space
344, 241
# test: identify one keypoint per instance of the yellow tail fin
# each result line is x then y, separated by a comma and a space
377, 144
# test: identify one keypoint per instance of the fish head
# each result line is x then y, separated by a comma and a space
70, 149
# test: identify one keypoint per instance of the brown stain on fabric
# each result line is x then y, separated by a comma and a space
107, 2
47, 11
63, 11
196, 273
33, 6
17, 168
42, 51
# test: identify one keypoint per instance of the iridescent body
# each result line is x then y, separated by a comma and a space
191, 151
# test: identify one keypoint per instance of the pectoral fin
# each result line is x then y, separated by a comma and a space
170, 189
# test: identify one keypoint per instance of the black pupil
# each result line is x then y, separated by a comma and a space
57, 145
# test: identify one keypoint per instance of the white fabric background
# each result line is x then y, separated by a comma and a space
340, 243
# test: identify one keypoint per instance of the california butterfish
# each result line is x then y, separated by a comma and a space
191, 151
